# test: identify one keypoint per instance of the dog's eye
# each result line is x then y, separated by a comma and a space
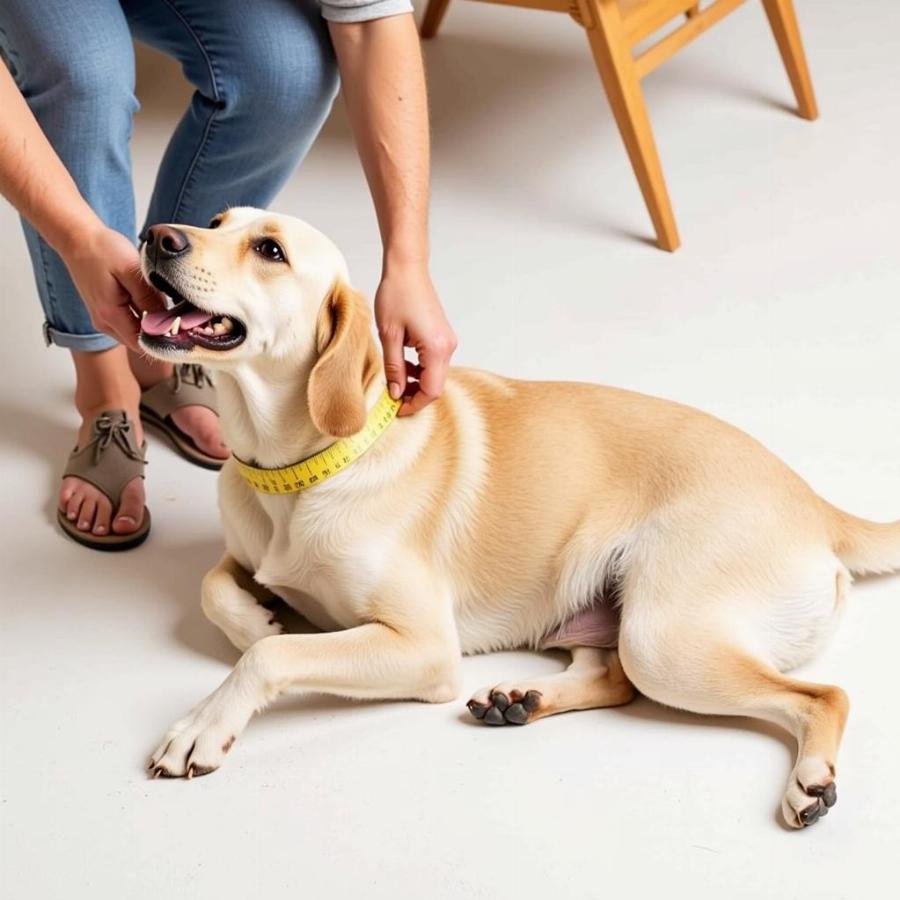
214, 223
270, 250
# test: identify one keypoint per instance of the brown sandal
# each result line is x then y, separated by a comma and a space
108, 461
190, 385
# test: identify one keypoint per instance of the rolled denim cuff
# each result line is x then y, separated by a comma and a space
343, 11
90, 343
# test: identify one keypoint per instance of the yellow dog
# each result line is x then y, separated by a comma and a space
666, 549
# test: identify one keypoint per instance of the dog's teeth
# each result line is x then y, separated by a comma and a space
227, 323
144, 314
219, 328
176, 325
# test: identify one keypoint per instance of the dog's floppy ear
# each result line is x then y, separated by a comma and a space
347, 361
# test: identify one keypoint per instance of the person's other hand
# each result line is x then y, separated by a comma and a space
105, 267
409, 314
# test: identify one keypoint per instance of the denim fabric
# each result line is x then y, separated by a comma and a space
265, 78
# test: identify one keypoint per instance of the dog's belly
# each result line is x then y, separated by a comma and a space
595, 626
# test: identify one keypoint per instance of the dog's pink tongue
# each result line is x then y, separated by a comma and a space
161, 322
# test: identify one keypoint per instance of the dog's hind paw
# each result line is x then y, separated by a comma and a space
498, 707
810, 794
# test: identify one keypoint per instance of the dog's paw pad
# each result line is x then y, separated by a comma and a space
826, 797
812, 813
827, 793
516, 714
499, 700
497, 707
810, 794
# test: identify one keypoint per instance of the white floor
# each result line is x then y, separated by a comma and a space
779, 314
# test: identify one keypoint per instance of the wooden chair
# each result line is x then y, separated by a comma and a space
614, 28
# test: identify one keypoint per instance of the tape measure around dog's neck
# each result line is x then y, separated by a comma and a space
335, 458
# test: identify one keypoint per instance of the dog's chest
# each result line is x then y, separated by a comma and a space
322, 564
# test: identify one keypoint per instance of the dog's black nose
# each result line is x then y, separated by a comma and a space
166, 242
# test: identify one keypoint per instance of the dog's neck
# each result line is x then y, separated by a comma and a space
265, 413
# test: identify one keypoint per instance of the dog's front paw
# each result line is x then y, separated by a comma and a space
195, 745
811, 792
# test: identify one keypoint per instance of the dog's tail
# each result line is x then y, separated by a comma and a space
864, 547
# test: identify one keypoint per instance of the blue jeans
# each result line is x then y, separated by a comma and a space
265, 78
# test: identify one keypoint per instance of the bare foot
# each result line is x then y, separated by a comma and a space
87, 505
202, 426
104, 381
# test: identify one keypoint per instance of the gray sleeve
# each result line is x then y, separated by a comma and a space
363, 10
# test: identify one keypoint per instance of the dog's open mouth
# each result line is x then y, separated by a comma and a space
186, 325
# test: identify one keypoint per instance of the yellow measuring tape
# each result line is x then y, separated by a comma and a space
312, 471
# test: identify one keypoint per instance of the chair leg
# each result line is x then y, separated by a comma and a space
612, 55
787, 35
434, 15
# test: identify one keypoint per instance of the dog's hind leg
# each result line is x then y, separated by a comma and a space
231, 600
708, 673
593, 679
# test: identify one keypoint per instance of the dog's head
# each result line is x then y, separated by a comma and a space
255, 287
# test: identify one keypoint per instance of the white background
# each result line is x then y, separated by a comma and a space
780, 313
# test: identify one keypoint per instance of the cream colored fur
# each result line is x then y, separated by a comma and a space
488, 519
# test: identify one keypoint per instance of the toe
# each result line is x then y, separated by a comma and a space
812, 813
516, 714
103, 515
73, 507
86, 515
494, 716
532, 700
499, 700
190, 750
827, 793
131, 508
477, 709
67, 491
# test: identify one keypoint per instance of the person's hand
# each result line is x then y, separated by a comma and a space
105, 267
409, 314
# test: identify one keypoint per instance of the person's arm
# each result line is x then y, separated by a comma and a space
103, 263
384, 89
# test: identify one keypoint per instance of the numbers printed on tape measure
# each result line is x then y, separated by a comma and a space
318, 468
